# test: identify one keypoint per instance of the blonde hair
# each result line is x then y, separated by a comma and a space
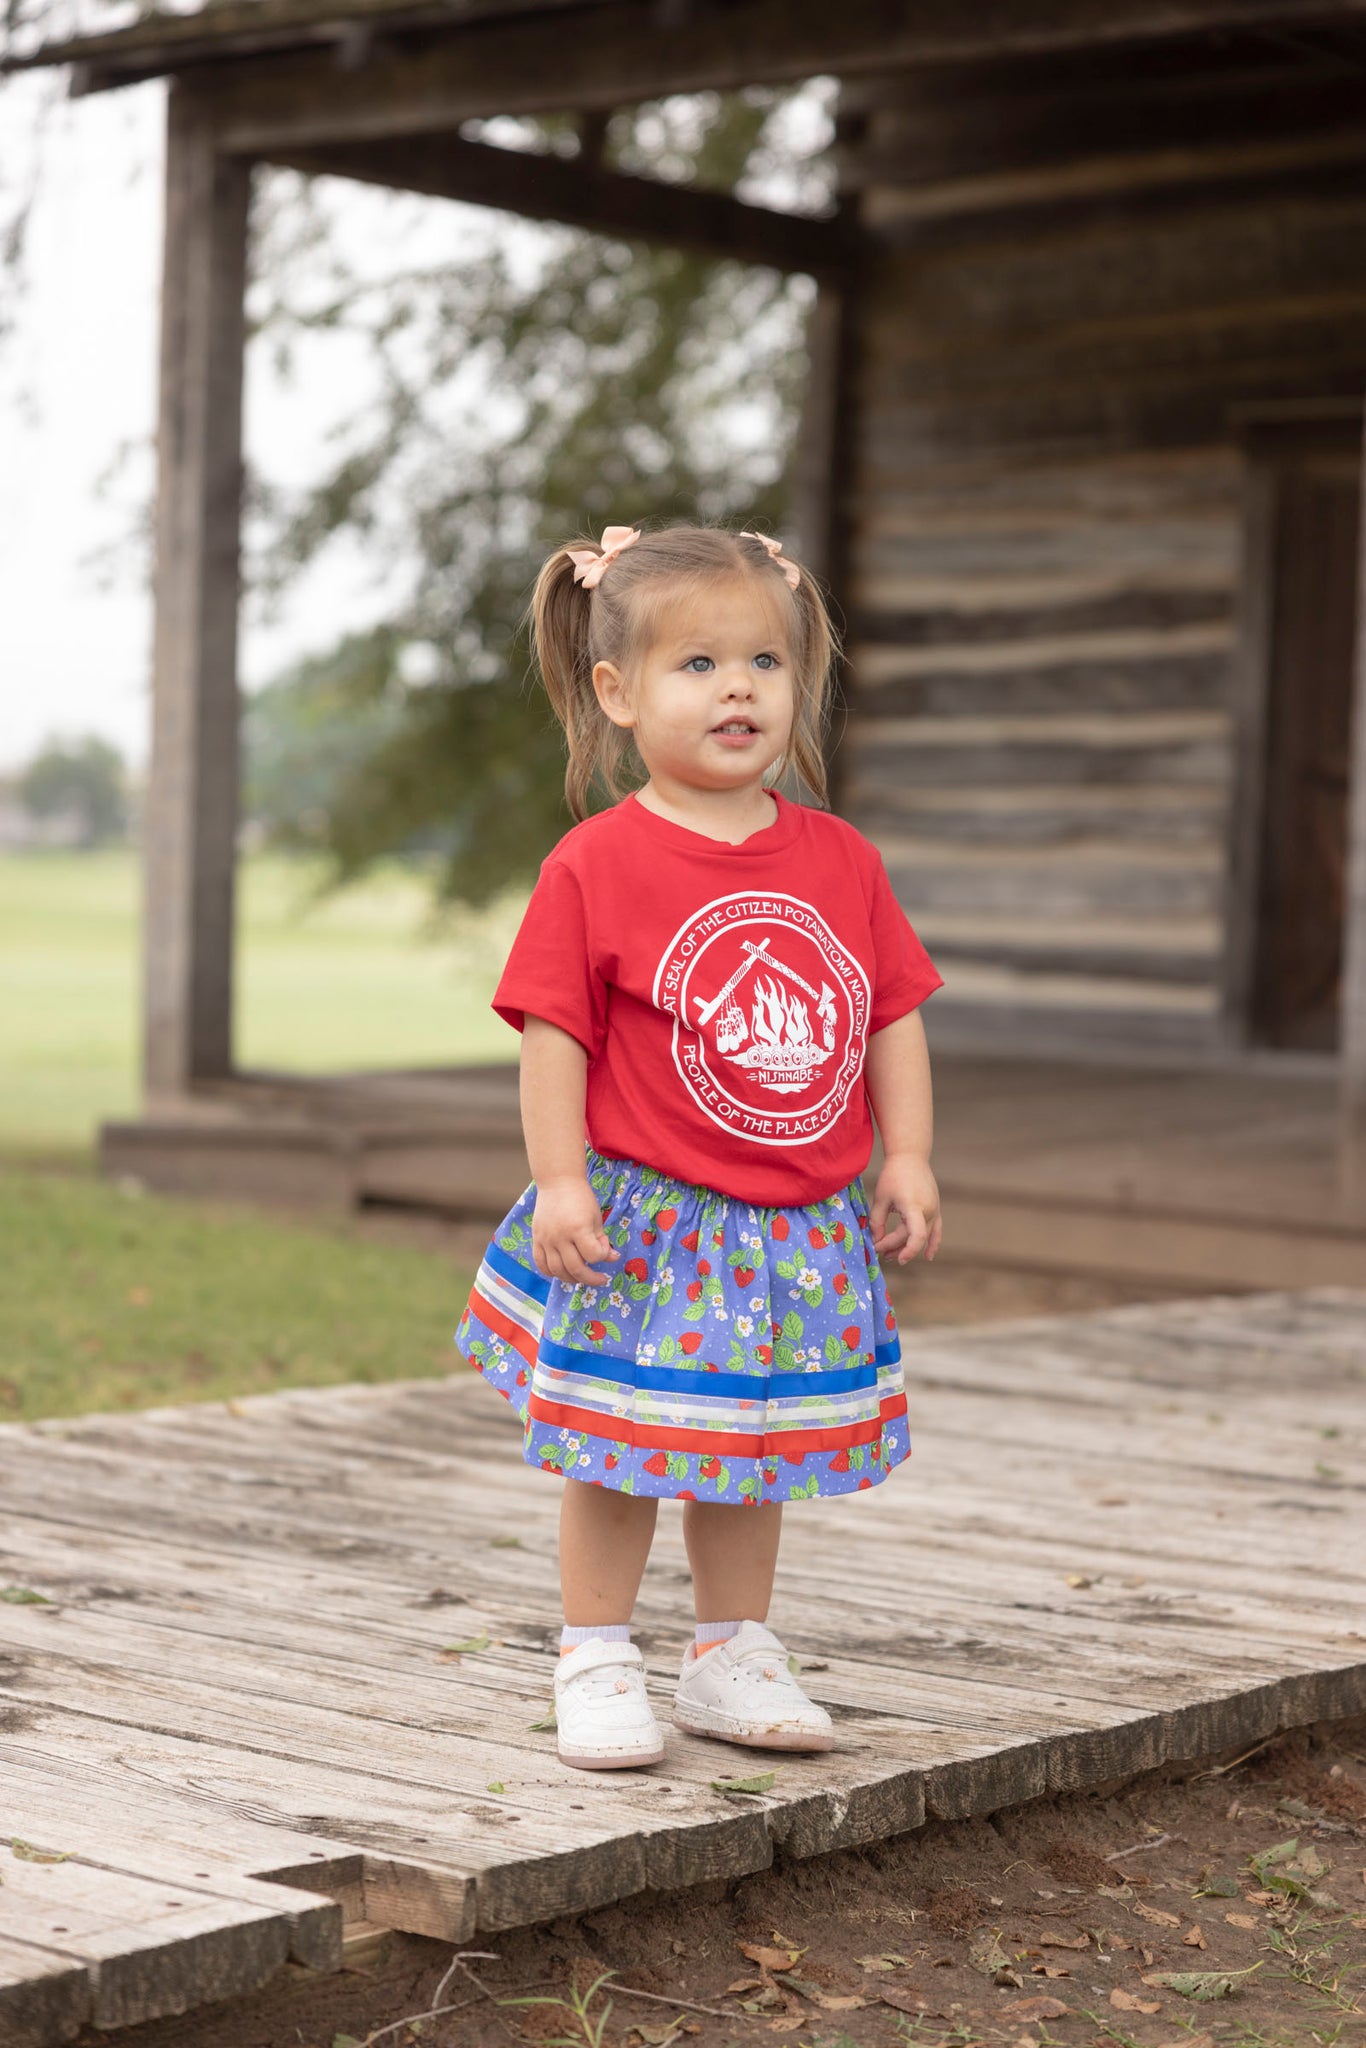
572, 629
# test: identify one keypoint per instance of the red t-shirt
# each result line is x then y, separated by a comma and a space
724, 994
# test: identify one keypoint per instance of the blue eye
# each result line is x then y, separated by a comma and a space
699, 664
766, 661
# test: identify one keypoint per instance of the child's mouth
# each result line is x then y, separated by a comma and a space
735, 730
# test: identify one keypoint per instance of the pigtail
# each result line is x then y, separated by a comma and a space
561, 620
816, 653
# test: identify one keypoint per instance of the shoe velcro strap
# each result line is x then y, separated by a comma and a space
589, 1656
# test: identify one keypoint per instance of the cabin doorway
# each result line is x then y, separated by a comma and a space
1298, 669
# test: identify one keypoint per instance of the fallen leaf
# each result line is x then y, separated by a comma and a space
26, 1853
788, 2024
1027, 2010
657, 2037
1259, 1898
1266, 1859
495, 1785
1079, 1579
1189, 2041
769, 1958
888, 1960
23, 1596
986, 1954
1194, 1939
1311, 1863
546, 1724
836, 2001
1008, 1977
744, 1984
1065, 1941
467, 1648
515, 1543
1129, 2001
729, 1786
1051, 1970
1156, 1915
1241, 1920
1297, 1809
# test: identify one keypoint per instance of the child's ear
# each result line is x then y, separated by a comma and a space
613, 694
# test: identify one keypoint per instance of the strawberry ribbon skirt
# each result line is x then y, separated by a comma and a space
736, 1354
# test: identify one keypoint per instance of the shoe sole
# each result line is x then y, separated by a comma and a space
634, 1761
749, 1734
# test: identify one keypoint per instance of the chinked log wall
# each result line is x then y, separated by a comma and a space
1087, 267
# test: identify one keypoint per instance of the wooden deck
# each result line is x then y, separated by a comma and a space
1123, 1539
1201, 1174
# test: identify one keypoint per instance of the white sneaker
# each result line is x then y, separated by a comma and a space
602, 1714
742, 1691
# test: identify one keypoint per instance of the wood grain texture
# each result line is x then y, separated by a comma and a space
244, 1668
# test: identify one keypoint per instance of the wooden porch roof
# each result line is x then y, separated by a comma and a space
609, 52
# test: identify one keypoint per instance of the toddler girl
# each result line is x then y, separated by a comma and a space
713, 984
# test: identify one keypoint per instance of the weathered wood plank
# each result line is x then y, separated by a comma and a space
190, 819
558, 188
148, 1949
44, 1997
609, 57
260, 1625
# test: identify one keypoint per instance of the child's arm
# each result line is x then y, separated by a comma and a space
566, 1227
898, 1072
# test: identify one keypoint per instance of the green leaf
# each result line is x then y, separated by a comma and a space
730, 1786
505, 1543
546, 1725
24, 1596
467, 1647
1202, 1985
495, 1785
26, 1853
1282, 1853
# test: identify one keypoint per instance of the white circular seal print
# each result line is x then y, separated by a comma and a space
770, 1016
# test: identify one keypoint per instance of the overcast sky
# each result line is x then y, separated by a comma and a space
77, 402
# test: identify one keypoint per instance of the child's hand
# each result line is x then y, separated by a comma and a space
566, 1232
907, 1187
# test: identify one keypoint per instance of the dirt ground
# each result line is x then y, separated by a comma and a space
1222, 1906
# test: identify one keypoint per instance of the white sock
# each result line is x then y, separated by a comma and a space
611, 1632
708, 1632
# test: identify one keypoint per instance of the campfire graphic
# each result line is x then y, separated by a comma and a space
783, 1052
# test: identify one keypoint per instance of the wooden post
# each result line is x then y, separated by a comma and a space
1352, 1061
820, 511
190, 824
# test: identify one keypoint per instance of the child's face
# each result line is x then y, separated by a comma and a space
711, 702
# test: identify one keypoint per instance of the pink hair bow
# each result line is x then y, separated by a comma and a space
589, 569
780, 560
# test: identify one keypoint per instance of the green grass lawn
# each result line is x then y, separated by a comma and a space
354, 980
112, 1300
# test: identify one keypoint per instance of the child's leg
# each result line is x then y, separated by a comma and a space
605, 1539
733, 1553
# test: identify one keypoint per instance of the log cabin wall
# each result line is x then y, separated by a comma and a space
1085, 268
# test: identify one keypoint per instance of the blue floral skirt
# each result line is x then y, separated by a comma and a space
737, 1354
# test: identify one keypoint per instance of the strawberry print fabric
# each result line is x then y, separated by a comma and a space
737, 1354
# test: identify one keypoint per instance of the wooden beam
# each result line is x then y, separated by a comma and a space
1352, 1042
614, 54
543, 187
191, 814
